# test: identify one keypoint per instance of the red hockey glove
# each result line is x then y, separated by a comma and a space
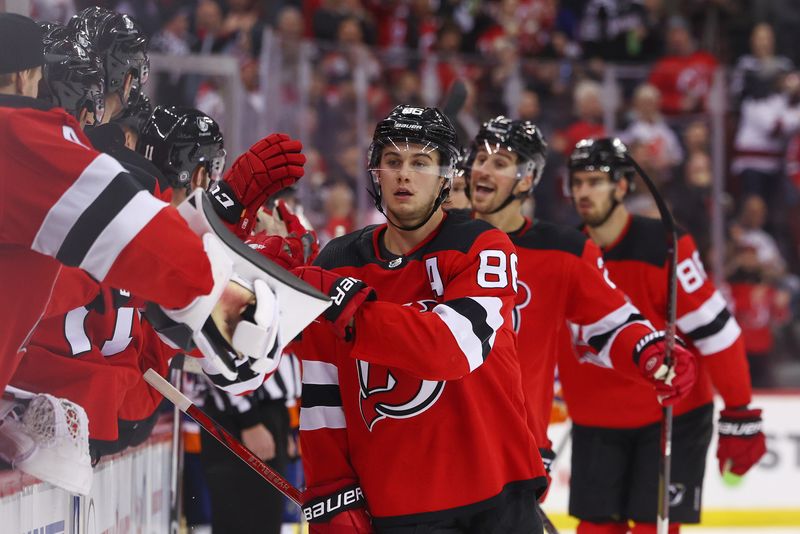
741, 441
339, 511
672, 383
346, 293
295, 227
270, 165
284, 251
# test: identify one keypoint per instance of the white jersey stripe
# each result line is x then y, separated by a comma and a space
321, 373
610, 322
68, 209
703, 315
462, 328
322, 417
120, 231
721, 340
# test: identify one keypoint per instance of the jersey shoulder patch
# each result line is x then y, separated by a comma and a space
544, 235
351, 250
645, 241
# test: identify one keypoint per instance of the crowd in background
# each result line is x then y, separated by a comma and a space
337, 64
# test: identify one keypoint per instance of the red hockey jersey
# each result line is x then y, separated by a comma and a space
62, 199
637, 265
561, 276
95, 355
425, 409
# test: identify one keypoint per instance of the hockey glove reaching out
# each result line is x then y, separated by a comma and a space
346, 293
296, 229
284, 251
270, 165
741, 441
673, 382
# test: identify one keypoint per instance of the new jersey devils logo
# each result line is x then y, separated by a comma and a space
523, 299
393, 394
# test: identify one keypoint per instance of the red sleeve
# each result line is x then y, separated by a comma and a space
74, 288
607, 325
323, 431
704, 321
87, 212
475, 314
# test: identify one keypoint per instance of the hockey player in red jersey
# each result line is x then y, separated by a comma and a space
415, 396
561, 279
616, 429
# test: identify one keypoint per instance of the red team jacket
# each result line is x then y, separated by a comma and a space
425, 409
561, 278
637, 264
62, 199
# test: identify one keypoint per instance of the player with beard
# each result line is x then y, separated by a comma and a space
411, 386
562, 282
620, 421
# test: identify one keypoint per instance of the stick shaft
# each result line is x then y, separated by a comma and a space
223, 436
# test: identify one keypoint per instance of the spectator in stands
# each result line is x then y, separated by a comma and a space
749, 232
758, 306
528, 107
209, 33
690, 198
339, 207
696, 137
588, 102
651, 130
685, 75
765, 125
757, 74
624, 30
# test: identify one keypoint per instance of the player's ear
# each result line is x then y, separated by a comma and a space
621, 189
524, 184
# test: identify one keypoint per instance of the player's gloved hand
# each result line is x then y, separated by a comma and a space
347, 294
673, 382
741, 441
548, 455
297, 229
268, 166
284, 251
349, 518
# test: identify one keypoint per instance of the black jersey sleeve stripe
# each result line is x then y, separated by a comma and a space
321, 395
95, 218
711, 328
599, 342
474, 322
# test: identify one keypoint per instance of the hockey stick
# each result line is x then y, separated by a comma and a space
548, 525
454, 100
223, 436
671, 235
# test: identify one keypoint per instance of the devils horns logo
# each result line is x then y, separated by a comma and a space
395, 394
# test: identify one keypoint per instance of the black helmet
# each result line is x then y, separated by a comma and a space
177, 140
137, 112
119, 42
607, 155
425, 126
72, 75
521, 137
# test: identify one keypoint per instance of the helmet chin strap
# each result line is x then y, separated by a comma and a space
614, 204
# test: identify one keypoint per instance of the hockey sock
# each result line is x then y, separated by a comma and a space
650, 528
586, 527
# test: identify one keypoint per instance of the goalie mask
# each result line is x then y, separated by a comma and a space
72, 76
119, 42
407, 125
178, 140
522, 138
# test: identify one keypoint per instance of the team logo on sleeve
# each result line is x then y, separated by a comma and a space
387, 393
